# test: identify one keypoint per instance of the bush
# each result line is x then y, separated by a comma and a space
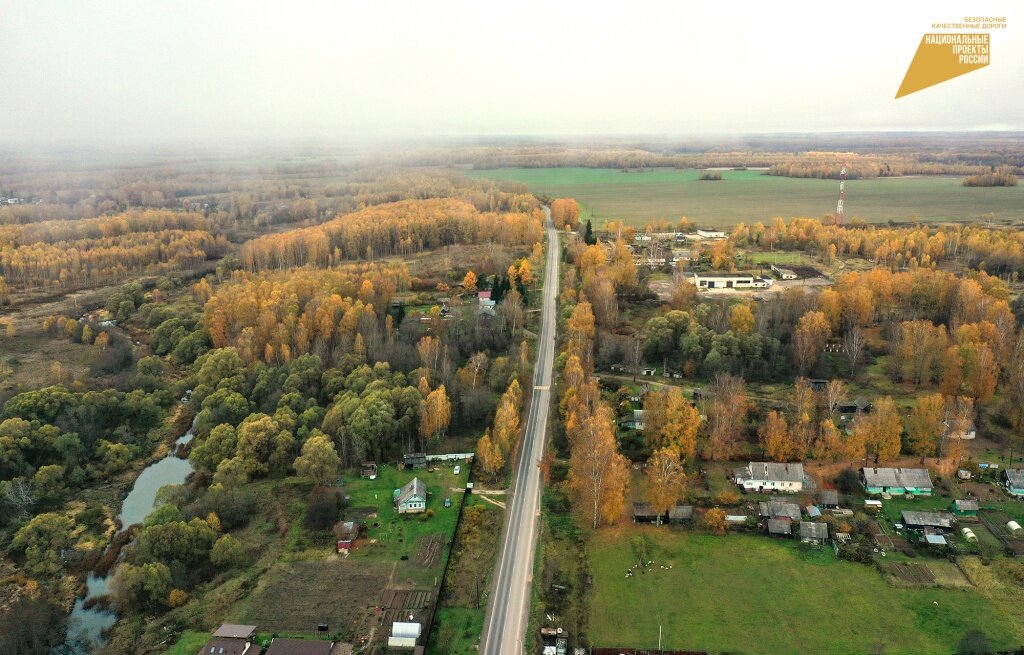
727, 498
714, 520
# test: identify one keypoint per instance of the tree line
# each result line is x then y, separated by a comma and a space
393, 229
82, 262
997, 251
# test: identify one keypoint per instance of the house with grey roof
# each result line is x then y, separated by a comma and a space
680, 513
829, 498
965, 507
897, 481
643, 513
774, 509
231, 639
782, 527
412, 498
770, 476
815, 533
919, 520
1013, 480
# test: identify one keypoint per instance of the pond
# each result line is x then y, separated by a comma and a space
86, 625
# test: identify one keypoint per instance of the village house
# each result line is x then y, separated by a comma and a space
896, 481
828, 498
847, 410
642, 513
966, 507
283, 646
635, 421
1013, 480
231, 639
774, 509
412, 498
922, 520
218, 646
782, 527
680, 513
770, 476
813, 533
415, 460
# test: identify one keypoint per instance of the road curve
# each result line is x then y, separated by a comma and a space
509, 608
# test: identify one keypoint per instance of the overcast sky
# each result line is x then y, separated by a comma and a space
77, 70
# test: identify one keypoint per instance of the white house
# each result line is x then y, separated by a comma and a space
711, 234
731, 281
412, 498
770, 476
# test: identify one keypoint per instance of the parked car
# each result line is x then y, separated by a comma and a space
448, 502
458, 469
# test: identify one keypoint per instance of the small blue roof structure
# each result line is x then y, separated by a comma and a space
935, 540
813, 511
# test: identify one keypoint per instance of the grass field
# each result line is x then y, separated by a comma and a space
749, 196
189, 643
752, 594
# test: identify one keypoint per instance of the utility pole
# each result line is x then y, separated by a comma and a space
842, 195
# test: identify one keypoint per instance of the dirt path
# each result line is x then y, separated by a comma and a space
494, 502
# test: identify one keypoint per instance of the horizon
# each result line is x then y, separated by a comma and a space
128, 74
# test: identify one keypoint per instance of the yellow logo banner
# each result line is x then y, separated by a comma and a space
942, 57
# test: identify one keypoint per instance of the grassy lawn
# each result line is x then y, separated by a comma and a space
749, 196
458, 631
464, 599
757, 595
391, 536
189, 643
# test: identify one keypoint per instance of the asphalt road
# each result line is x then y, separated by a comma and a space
509, 607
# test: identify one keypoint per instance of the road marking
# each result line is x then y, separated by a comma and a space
546, 387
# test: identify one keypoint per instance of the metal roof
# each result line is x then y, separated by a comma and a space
681, 512
780, 526
414, 487
643, 509
967, 505
829, 497
929, 519
225, 646
776, 471
811, 530
776, 508
897, 477
282, 646
1015, 477
235, 631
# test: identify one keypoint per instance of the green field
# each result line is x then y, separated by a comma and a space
752, 594
749, 196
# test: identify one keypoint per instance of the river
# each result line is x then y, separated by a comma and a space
86, 625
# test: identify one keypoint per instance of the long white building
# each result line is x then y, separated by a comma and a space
731, 281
